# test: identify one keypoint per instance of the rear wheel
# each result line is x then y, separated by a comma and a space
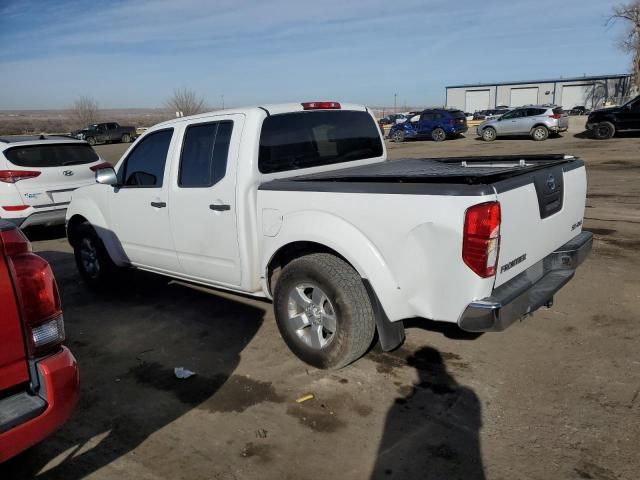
397, 136
126, 138
92, 259
438, 135
604, 130
323, 311
489, 134
540, 133
91, 141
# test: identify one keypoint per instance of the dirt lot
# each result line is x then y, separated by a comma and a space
554, 397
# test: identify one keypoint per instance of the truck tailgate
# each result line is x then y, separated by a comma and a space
540, 211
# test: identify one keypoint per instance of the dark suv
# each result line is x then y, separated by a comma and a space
604, 123
437, 124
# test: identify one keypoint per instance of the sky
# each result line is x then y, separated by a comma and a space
134, 54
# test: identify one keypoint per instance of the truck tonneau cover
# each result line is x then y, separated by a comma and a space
471, 170
446, 176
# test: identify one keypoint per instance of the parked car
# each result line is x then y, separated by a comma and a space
38, 175
579, 110
106, 133
38, 375
606, 122
538, 121
296, 203
393, 119
437, 124
489, 114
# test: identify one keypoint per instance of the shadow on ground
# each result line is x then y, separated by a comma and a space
432, 430
127, 343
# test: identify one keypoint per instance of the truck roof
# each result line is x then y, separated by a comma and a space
270, 109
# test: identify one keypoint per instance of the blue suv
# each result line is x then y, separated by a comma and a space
437, 124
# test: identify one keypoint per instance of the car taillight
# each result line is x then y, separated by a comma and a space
481, 238
37, 294
321, 106
13, 176
557, 116
14, 208
100, 166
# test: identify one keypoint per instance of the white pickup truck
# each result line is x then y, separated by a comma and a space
297, 203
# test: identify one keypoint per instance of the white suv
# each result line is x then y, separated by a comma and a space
38, 175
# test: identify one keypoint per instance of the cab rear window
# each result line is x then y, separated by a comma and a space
56, 155
292, 141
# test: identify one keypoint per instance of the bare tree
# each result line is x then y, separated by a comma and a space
85, 111
185, 101
629, 13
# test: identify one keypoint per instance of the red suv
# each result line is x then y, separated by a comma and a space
38, 376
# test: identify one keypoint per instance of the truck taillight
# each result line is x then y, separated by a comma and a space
100, 166
481, 238
321, 106
13, 176
37, 294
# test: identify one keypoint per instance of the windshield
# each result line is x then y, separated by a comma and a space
292, 141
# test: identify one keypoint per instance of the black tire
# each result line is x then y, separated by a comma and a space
92, 259
126, 138
397, 136
346, 299
91, 141
604, 130
438, 135
489, 134
540, 133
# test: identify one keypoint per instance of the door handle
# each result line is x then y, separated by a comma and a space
159, 204
220, 208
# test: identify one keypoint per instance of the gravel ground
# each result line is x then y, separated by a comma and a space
556, 396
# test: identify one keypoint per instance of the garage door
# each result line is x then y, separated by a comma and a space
524, 96
575, 95
476, 100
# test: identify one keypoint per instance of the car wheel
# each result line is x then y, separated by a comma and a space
438, 135
604, 130
489, 134
397, 136
540, 133
126, 138
92, 259
91, 141
323, 311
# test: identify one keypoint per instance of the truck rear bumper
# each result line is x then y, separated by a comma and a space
528, 291
25, 424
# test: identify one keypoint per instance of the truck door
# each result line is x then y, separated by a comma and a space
629, 116
203, 203
139, 207
101, 133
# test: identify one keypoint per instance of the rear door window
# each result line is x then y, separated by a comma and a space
298, 140
144, 167
203, 161
56, 155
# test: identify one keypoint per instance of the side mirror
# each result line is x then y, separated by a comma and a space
106, 176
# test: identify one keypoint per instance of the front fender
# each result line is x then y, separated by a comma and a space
344, 238
90, 203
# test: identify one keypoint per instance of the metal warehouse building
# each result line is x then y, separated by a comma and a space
591, 92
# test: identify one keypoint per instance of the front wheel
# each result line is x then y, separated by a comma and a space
323, 311
92, 259
489, 134
91, 141
126, 138
540, 133
397, 136
604, 130
438, 135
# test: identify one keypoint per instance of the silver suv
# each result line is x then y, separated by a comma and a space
538, 121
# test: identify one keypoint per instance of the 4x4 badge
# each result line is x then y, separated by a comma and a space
67, 173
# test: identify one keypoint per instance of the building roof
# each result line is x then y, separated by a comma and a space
553, 80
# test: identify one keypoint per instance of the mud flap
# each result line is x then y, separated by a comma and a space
390, 334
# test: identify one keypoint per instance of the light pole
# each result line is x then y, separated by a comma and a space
222, 101
395, 99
